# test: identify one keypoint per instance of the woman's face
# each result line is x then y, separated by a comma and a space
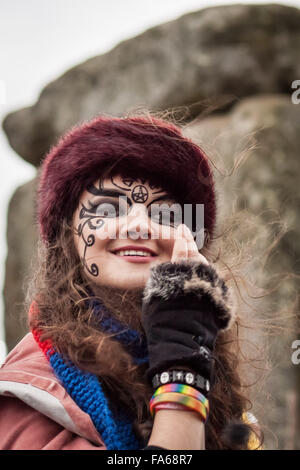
117, 217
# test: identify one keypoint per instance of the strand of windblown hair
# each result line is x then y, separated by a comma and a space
85, 389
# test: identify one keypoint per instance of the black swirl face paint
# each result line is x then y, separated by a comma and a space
93, 222
88, 216
139, 192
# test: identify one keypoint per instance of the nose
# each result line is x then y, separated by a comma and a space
137, 224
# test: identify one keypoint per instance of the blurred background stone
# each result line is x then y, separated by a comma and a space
230, 69
264, 131
230, 52
21, 246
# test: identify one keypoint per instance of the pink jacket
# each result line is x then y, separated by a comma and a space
36, 412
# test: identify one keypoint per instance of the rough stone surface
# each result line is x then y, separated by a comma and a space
232, 51
21, 246
263, 132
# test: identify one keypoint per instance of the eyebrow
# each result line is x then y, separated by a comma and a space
165, 197
116, 193
109, 192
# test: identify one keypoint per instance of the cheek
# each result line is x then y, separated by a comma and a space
106, 230
167, 239
91, 235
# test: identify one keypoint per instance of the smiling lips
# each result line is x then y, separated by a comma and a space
135, 254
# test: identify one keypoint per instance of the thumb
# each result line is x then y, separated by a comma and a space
180, 249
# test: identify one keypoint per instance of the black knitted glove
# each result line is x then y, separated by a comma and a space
185, 305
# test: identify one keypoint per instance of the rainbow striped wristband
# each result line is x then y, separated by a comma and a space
181, 388
185, 400
183, 394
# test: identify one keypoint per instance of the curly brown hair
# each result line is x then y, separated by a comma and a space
61, 289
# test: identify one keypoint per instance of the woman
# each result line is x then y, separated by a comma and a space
131, 326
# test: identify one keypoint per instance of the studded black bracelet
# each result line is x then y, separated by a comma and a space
182, 377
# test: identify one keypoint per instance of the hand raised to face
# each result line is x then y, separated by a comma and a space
185, 246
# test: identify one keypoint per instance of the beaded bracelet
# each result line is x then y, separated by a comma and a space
188, 401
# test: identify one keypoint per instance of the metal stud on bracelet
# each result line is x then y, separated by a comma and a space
181, 376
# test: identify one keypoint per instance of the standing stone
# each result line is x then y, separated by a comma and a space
218, 54
21, 248
264, 131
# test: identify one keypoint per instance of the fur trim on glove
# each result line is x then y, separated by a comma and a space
169, 281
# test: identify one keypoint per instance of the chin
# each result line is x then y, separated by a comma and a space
138, 284
124, 284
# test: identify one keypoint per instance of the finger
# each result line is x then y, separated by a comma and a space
180, 250
192, 247
203, 259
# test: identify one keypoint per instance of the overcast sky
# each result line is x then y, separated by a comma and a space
40, 39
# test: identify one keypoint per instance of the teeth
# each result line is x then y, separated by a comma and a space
132, 253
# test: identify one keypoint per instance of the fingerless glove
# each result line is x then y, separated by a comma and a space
185, 305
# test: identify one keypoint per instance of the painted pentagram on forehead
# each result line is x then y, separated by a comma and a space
139, 193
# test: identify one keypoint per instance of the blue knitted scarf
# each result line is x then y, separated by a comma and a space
115, 427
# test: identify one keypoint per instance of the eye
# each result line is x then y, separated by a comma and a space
166, 216
110, 209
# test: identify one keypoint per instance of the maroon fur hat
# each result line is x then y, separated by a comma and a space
136, 147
